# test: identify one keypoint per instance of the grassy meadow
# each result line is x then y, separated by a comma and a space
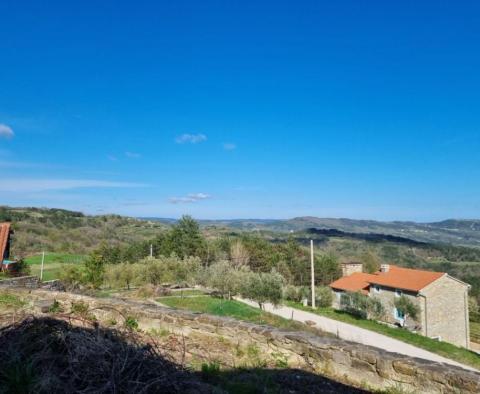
54, 262
230, 308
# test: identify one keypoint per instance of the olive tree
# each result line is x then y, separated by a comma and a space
225, 278
263, 288
121, 275
407, 308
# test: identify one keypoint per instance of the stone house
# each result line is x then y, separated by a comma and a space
442, 300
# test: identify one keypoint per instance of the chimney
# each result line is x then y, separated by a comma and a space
384, 268
350, 268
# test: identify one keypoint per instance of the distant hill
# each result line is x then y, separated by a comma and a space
59, 230
452, 231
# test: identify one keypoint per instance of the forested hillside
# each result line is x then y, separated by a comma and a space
455, 232
58, 230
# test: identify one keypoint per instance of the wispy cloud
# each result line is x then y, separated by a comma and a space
229, 146
41, 185
112, 157
6, 131
190, 138
24, 164
133, 155
190, 198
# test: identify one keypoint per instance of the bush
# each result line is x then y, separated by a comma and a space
362, 306
291, 293
323, 297
131, 323
355, 304
72, 277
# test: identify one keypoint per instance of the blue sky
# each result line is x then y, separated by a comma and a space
241, 109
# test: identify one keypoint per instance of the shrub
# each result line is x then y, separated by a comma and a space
55, 307
375, 309
131, 323
323, 297
72, 277
355, 304
80, 308
291, 293
407, 307
210, 371
362, 306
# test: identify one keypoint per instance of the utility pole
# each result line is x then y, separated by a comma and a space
151, 251
41, 268
312, 268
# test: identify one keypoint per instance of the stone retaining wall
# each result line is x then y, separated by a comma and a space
344, 361
29, 282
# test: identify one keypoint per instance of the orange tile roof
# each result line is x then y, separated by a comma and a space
4, 234
405, 278
358, 281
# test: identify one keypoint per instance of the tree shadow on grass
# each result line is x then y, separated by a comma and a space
49, 355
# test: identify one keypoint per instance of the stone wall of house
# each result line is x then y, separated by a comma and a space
350, 268
387, 297
344, 361
446, 311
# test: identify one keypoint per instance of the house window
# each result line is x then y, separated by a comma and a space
376, 289
399, 315
398, 293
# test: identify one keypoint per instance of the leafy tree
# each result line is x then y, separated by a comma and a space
239, 254
327, 269
407, 307
291, 293
263, 287
186, 239
355, 303
375, 309
371, 262
71, 276
225, 278
169, 270
121, 275
95, 266
323, 297
361, 305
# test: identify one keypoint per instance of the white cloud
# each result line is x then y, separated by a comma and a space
190, 138
229, 146
190, 198
6, 131
133, 155
41, 185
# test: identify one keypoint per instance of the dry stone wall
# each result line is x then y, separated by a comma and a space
346, 361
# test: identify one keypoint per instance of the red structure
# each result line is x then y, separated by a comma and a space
5, 238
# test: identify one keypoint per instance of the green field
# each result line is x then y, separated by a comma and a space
54, 262
442, 348
230, 308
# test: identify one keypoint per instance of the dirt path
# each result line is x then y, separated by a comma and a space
355, 334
